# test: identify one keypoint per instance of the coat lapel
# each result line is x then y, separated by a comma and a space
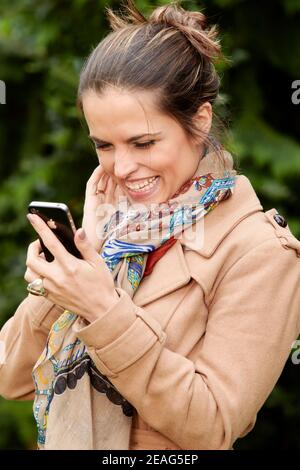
169, 273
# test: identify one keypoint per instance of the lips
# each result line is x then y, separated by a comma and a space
140, 185
146, 191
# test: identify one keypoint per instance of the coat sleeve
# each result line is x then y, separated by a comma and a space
210, 401
22, 340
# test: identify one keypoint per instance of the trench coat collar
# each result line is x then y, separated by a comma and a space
171, 271
227, 215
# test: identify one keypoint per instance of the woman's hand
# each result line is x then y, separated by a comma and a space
84, 286
99, 207
34, 249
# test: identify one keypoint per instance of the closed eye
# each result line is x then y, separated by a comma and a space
142, 145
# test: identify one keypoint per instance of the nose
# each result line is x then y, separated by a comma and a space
124, 165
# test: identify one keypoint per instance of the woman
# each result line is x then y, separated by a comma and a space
173, 329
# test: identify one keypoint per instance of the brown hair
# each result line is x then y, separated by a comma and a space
172, 53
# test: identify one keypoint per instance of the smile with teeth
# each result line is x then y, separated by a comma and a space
144, 186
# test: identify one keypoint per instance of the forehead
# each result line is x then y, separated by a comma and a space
121, 110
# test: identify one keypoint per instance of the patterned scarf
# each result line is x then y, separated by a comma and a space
129, 238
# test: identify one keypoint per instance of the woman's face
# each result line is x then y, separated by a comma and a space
150, 164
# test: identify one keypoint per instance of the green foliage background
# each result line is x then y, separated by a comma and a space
45, 154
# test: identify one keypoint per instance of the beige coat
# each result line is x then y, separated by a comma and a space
204, 340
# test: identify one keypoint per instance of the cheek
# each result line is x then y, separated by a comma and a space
170, 172
165, 165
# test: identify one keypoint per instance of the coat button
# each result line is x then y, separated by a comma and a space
280, 220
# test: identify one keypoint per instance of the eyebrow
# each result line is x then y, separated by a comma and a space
131, 139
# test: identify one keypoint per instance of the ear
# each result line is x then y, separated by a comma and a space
204, 117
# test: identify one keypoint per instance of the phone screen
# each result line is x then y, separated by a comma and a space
58, 218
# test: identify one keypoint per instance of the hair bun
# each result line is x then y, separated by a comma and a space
174, 15
193, 24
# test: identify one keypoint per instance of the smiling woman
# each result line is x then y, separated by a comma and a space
170, 332
150, 167
154, 77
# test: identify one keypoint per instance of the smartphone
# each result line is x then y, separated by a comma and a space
58, 217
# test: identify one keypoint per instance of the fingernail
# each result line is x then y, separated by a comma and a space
99, 191
82, 234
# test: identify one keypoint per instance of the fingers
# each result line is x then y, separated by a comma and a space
97, 173
91, 184
97, 181
51, 242
101, 185
110, 191
30, 275
34, 249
